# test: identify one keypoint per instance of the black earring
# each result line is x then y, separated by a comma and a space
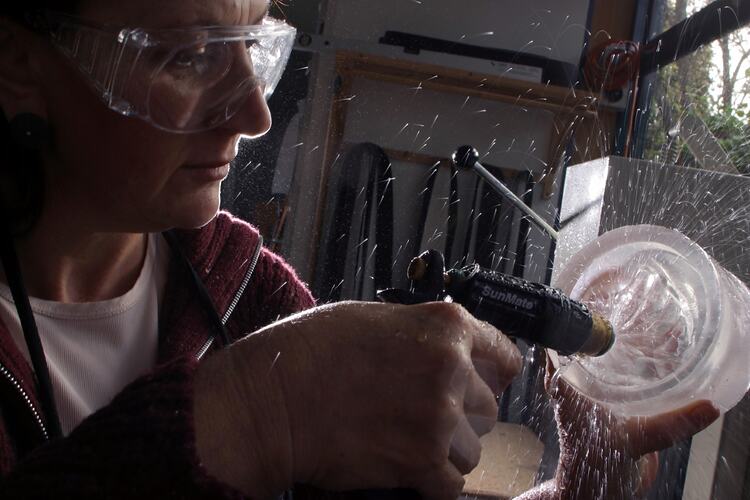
29, 131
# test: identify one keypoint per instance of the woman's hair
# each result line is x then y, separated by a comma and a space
19, 9
21, 171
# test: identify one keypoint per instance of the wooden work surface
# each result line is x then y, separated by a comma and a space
511, 455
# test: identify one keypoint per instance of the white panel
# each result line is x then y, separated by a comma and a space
396, 117
550, 28
704, 456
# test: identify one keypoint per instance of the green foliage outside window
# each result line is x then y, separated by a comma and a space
712, 84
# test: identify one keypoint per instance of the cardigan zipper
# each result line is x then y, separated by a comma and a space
203, 350
37, 415
240, 291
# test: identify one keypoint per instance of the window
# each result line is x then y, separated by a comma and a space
668, 13
696, 110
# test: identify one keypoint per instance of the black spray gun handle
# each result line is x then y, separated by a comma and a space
536, 313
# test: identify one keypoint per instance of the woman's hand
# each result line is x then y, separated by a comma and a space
354, 395
603, 456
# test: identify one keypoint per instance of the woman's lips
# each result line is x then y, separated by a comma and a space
208, 172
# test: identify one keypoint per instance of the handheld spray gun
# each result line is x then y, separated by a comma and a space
539, 314
534, 312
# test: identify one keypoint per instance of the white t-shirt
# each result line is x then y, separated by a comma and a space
95, 349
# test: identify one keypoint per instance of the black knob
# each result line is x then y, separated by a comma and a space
465, 157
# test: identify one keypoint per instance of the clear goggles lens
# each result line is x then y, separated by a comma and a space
180, 80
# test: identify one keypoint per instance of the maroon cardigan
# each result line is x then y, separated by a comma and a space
142, 444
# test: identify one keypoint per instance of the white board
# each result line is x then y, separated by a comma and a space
554, 29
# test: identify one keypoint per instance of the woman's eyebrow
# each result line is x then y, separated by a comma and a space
214, 22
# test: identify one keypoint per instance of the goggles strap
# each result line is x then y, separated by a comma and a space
30, 333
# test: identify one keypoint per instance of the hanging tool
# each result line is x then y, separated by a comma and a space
467, 157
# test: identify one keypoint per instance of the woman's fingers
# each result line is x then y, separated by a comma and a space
445, 483
648, 470
439, 371
563, 393
635, 435
490, 344
480, 403
465, 448
549, 371
646, 434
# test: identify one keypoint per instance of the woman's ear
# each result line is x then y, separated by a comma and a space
20, 89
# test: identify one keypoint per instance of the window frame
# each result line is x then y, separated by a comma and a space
701, 28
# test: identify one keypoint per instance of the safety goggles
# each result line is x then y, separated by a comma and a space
180, 80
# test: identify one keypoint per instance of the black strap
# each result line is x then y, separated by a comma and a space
379, 193
519, 265
453, 202
488, 232
471, 219
452, 222
203, 295
339, 212
371, 161
363, 240
427, 199
30, 333
384, 225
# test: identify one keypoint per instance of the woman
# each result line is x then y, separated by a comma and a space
116, 141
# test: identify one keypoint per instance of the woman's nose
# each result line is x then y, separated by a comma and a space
253, 118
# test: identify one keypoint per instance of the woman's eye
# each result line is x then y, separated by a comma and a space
189, 58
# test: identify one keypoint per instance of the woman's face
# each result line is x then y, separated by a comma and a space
121, 174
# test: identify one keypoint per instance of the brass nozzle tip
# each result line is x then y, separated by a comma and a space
602, 337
